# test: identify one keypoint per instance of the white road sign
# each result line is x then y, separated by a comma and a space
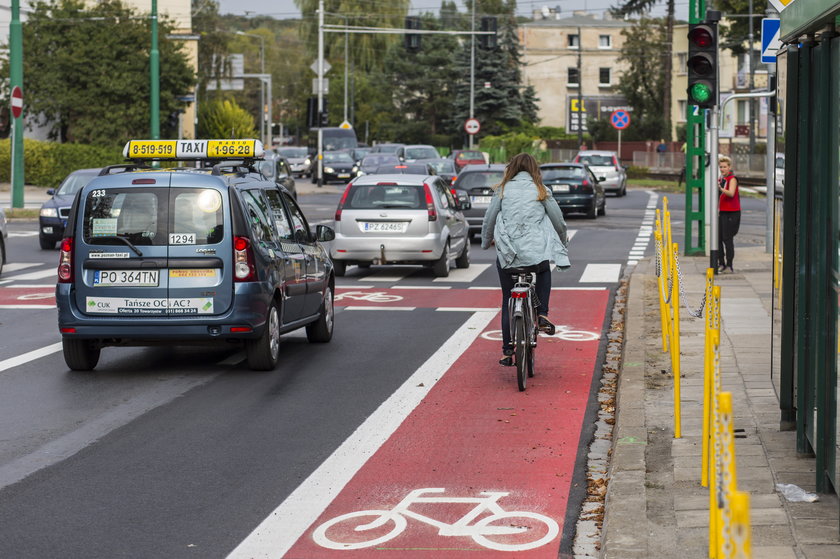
472, 126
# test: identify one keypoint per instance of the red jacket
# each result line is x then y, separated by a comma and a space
728, 204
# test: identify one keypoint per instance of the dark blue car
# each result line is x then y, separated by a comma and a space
54, 212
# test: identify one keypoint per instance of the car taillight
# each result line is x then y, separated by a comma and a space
430, 203
341, 203
243, 260
65, 262
586, 185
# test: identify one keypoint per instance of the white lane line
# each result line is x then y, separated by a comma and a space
27, 306
286, 524
352, 286
15, 266
464, 274
379, 276
579, 288
29, 356
40, 274
23, 233
600, 273
360, 308
570, 234
422, 287
38, 285
468, 309
486, 288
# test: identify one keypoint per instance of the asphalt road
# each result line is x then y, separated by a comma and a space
184, 452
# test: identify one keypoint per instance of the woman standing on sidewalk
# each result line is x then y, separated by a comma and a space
528, 228
729, 217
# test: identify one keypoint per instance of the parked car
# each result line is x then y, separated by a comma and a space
399, 219
417, 152
275, 167
53, 215
419, 168
386, 148
607, 168
780, 174
298, 158
359, 153
4, 234
338, 166
575, 187
210, 255
478, 182
373, 161
463, 157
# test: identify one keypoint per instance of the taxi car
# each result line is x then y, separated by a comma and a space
190, 255
400, 219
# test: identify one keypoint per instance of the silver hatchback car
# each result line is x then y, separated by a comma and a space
400, 219
607, 168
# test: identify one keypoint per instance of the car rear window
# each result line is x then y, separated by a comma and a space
555, 173
471, 155
369, 197
479, 179
596, 160
142, 216
421, 153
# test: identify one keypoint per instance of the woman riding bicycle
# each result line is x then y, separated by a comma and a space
528, 228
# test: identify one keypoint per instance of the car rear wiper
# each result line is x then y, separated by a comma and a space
124, 240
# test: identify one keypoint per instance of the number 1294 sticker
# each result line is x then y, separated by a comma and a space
182, 238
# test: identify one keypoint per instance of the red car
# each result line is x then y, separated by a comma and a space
464, 157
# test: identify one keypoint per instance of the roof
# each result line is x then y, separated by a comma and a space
580, 20
397, 178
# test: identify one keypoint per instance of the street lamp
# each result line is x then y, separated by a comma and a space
266, 141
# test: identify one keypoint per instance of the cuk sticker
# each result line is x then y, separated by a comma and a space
104, 227
96, 255
138, 306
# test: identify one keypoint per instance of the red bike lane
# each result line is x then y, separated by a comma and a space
478, 466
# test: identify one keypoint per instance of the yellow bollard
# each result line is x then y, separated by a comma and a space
741, 526
713, 465
661, 285
675, 341
707, 377
729, 481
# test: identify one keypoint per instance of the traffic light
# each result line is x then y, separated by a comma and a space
488, 23
703, 64
312, 112
173, 119
325, 118
412, 40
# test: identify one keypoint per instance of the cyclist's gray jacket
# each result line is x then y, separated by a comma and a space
527, 231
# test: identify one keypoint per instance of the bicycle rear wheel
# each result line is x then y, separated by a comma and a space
532, 351
522, 349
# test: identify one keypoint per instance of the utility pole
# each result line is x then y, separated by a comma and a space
770, 161
580, 88
154, 71
472, 71
320, 156
16, 80
346, 58
750, 39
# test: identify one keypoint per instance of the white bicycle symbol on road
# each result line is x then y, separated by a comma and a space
511, 525
372, 296
562, 332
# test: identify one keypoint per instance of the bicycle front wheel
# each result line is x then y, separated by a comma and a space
360, 529
522, 349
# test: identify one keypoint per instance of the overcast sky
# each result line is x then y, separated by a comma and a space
284, 9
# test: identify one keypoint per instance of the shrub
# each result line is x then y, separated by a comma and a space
223, 118
634, 172
47, 163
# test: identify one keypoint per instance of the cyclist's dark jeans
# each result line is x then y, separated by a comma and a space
542, 287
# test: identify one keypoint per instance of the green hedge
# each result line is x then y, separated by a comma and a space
47, 163
634, 172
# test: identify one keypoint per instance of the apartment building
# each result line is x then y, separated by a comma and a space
572, 62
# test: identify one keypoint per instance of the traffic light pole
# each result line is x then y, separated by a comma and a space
16, 80
320, 157
714, 171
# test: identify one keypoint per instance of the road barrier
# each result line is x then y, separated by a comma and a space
729, 508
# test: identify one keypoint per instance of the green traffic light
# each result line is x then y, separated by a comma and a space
701, 92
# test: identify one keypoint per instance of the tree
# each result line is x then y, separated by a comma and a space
86, 71
223, 118
643, 85
632, 7
734, 35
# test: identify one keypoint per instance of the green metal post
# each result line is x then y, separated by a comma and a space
16, 79
154, 71
695, 163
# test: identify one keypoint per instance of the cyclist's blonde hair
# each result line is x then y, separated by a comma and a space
523, 162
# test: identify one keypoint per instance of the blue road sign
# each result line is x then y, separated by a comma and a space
770, 40
620, 119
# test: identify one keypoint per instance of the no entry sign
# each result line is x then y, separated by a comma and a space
17, 101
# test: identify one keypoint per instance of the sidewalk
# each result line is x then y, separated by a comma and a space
33, 196
655, 505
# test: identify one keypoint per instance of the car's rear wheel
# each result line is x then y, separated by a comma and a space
463, 261
339, 268
593, 211
603, 209
80, 355
46, 244
441, 265
264, 352
2, 255
321, 330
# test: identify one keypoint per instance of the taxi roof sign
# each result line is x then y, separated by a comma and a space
193, 149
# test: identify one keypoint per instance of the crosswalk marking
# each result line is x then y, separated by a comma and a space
40, 274
465, 274
601, 273
15, 266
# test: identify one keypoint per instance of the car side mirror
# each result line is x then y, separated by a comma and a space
51, 191
602, 179
324, 233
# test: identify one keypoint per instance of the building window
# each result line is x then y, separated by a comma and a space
682, 59
682, 109
574, 78
604, 41
604, 77
574, 41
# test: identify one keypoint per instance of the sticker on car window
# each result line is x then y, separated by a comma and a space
104, 227
182, 238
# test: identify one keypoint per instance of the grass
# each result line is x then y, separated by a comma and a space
26, 213
656, 184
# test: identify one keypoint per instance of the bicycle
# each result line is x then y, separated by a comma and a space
488, 524
522, 314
